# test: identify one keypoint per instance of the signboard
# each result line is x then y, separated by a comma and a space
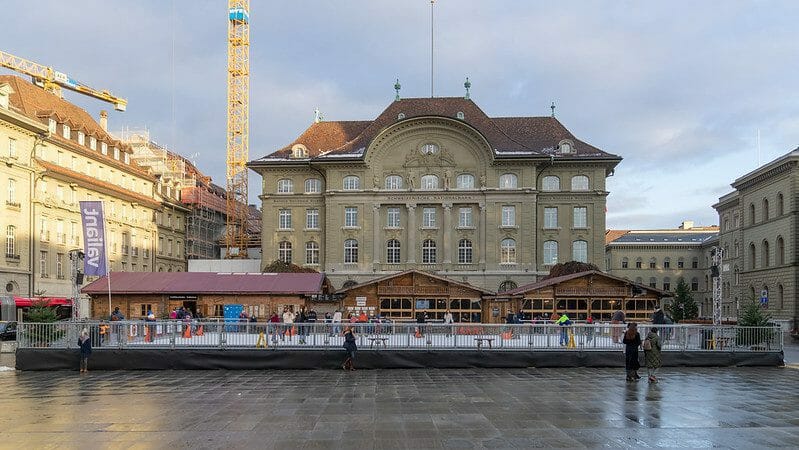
183, 297
360, 301
422, 304
764, 298
94, 262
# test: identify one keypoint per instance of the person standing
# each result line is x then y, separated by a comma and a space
616, 320
448, 322
336, 323
351, 347
288, 321
563, 322
632, 340
652, 355
85, 344
301, 319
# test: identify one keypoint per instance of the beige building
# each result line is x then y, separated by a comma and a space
759, 234
435, 184
64, 156
661, 258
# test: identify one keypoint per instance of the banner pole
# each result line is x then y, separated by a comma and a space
107, 269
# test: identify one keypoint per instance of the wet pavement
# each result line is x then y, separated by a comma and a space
419, 408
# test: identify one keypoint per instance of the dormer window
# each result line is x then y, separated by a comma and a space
116, 153
66, 131
460, 115
104, 148
93, 143
299, 151
565, 147
429, 149
81, 138
51, 126
127, 158
5, 93
400, 116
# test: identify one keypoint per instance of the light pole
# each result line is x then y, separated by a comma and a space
76, 276
717, 256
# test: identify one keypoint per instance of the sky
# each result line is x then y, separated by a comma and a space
680, 89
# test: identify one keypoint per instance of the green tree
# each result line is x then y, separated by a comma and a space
683, 307
42, 335
570, 267
41, 312
753, 315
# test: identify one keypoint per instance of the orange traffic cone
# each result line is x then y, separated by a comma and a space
199, 331
187, 332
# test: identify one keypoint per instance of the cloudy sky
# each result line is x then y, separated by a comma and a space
679, 89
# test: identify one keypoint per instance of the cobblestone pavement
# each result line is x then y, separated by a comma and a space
464, 408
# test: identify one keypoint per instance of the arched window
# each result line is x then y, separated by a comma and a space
393, 252
429, 251
311, 253
780, 251
429, 182
580, 251
465, 181
285, 186
752, 255
507, 285
313, 186
350, 251
550, 253
625, 263
666, 284
752, 213
508, 251
393, 182
652, 263
352, 183
550, 183
765, 260
695, 262
765, 209
780, 296
579, 183
681, 263
464, 251
780, 204
284, 251
653, 282
737, 248
667, 263
508, 181
639, 263
694, 284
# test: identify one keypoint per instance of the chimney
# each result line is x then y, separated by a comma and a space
104, 120
687, 224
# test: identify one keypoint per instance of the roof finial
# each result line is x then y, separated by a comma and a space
467, 85
317, 115
397, 87
553, 108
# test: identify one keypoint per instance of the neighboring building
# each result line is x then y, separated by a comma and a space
435, 184
759, 233
579, 295
74, 158
260, 294
660, 258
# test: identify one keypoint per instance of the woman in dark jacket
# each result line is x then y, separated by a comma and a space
631, 341
85, 344
351, 347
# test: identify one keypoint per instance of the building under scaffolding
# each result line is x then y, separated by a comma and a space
206, 202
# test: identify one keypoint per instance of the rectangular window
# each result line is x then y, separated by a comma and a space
116, 153
393, 218
65, 131
93, 143
651, 264
350, 216
284, 219
680, 264
508, 216
428, 217
43, 264
81, 138
59, 266
312, 219
580, 217
51, 126
624, 264
638, 264
550, 217
465, 217
59, 231
12, 191
12, 148
104, 148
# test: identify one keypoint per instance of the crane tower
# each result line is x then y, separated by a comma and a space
238, 126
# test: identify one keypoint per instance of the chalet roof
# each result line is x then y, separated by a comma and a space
208, 283
557, 280
665, 237
427, 274
508, 136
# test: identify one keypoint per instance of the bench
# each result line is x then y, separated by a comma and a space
377, 340
480, 342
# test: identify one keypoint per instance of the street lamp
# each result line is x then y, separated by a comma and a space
717, 257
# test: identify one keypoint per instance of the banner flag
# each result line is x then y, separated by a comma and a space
94, 261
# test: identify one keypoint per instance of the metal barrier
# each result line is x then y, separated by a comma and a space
388, 336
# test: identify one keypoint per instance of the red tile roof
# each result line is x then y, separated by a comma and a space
612, 235
208, 283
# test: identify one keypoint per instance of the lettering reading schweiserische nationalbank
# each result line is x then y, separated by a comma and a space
93, 237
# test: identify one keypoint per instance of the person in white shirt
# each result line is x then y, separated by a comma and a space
288, 320
336, 321
448, 321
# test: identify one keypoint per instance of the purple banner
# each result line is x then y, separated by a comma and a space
94, 262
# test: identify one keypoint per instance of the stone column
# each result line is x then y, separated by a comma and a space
447, 244
376, 225
482, 233
412, 231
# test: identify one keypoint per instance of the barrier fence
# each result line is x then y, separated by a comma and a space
392, 336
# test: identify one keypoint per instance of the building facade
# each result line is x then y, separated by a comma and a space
661, 258
435, 184
759, 232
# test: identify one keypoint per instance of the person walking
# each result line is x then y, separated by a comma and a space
85, 344
652, 355
351, 347
336, 323
632, 340
615, 320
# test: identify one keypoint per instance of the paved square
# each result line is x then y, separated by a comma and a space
494, 408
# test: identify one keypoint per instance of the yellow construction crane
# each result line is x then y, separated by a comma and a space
53, 80
238, 126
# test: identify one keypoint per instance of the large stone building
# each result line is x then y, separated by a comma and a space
661, 258
759, 232
435, 184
